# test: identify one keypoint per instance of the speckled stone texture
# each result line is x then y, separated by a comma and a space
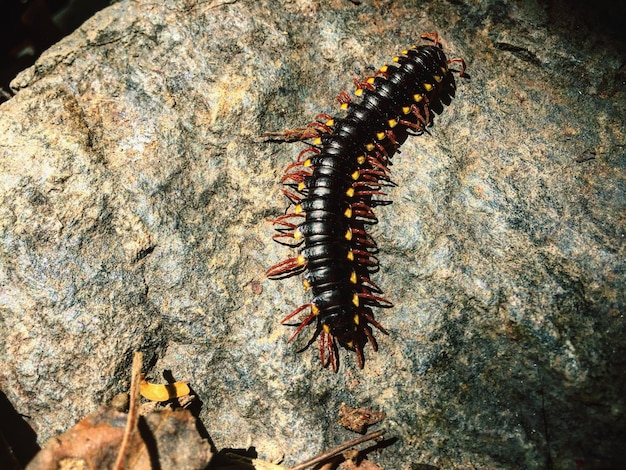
134, 193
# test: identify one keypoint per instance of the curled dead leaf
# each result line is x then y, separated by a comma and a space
358, 419
169, 437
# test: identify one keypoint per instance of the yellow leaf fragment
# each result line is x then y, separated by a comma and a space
163, 392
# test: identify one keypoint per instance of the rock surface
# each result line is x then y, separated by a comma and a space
133, 203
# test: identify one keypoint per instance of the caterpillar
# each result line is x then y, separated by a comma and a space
335, 183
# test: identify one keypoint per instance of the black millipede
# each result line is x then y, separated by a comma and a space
337, 181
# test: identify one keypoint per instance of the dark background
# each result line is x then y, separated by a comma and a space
29, 27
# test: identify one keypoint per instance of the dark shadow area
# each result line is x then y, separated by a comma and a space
602, 17
151, 443
235, 459
240, 459
29, 27
195, 407
18, 441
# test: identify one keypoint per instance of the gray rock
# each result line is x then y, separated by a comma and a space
134, 195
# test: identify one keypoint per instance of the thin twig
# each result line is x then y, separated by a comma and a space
338, 450
133, 416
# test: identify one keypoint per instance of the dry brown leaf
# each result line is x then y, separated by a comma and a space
363, 465
352, 462
94, 443
358, 419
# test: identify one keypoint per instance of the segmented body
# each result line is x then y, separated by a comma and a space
334, 185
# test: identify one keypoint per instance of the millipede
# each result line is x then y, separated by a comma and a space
336, 182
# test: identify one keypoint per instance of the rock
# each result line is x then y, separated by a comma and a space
135, 190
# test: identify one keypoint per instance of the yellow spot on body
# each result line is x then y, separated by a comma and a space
392, 123
444, 70
350, 192
326, 328
417, 98
301, 260
370, 80
317, 141
356, 319
344, 106
348, 235
427, 86
307, 163
384, 69
396, 59
380, 135
348, 213
306, 284
330, 122
358, 91
404, 52
297, 234
370, 147
350, 256
301, 185
406, 110
355, 175
298, 209
353, 278
315, 309
438, 78
360, 159
355, 300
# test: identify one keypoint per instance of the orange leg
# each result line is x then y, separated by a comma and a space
366, 281
297, 176
327, 342
434, 37
304, 152
371, 321
359, 354
303, 325
343, 97
285, 268
375, 299
458, 60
